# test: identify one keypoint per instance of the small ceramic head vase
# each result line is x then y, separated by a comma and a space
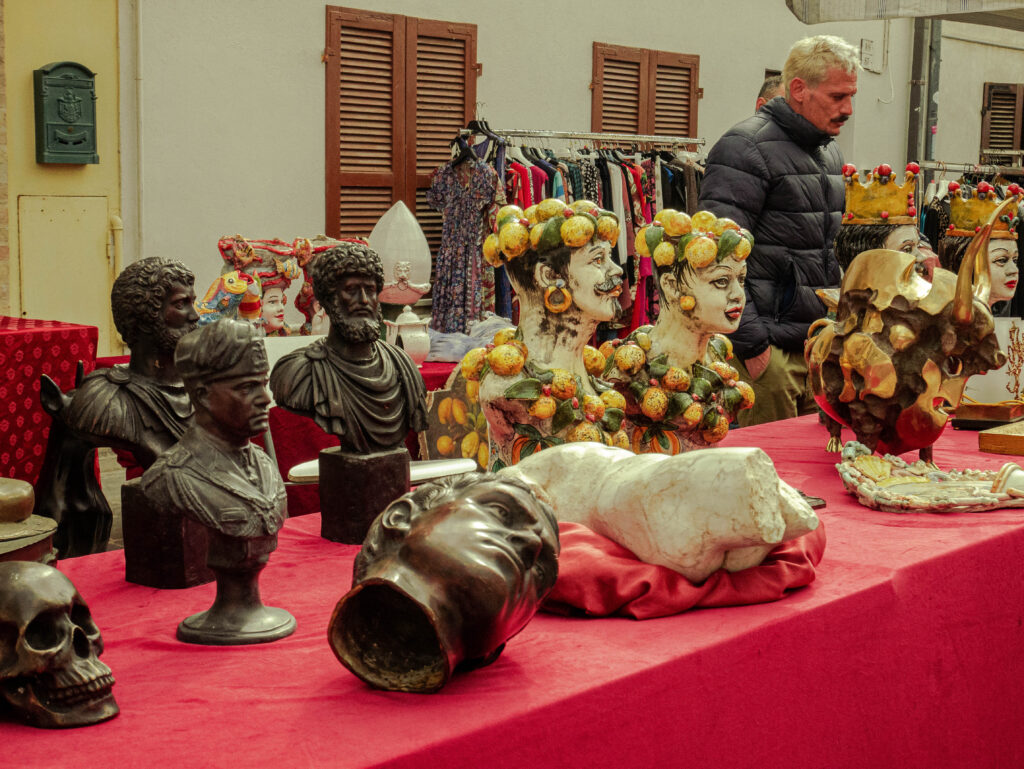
558, 259
879, 213
676, 388
50, 671
447, 574
700, 264
969, 210
152, 304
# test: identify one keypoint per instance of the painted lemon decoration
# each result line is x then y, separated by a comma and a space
578, 231
701, 251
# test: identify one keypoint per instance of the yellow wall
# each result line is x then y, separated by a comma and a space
36, 33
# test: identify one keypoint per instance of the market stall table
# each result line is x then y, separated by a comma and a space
28, 349
908, 650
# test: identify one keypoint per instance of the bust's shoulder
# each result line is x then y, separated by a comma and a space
291, 381
103, 402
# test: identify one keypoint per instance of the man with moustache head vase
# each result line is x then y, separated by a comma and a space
365, 391
141, 407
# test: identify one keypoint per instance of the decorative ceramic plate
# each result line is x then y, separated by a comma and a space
890, 484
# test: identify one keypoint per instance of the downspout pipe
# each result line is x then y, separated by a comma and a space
934, 66
916, 118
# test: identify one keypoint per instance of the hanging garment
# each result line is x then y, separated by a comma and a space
463, 194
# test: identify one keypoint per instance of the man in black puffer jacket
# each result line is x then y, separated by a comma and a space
778, 174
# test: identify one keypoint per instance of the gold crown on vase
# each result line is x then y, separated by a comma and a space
881, 200
970, 209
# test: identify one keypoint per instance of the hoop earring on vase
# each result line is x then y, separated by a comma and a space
557, 298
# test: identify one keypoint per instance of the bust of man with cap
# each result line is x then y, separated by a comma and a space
215, 476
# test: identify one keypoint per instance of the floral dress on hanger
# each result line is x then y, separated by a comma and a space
463, 194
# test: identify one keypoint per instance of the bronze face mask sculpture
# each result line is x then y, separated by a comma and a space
897, 358
50, 671
447, 574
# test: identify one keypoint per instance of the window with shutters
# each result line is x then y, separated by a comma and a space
1002, 115
398, 89
639, 91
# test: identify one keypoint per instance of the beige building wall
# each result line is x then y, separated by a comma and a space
36, 33
231, 96
972, 55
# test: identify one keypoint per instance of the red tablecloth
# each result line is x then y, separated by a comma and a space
29, 348
908, 651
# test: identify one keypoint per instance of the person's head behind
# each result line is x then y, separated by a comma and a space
346, 281
151, 301
770, 88
820, 78
447, 574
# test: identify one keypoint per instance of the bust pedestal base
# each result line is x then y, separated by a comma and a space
355, 489
161, 549
238, 615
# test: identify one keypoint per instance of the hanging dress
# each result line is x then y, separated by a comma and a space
463, 194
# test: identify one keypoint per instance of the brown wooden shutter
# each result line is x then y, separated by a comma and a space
365, 115
1001, 118
619, 89
646, 92
398, 90
675, 93
442, 99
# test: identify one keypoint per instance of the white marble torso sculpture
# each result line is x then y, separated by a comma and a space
694, 513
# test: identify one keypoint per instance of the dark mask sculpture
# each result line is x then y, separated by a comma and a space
447, 574
50, 671
215, 476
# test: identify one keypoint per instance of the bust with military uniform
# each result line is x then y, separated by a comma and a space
215, 476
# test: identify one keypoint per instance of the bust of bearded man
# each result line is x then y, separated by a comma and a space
366, 392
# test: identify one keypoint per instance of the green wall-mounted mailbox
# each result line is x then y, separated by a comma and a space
65, 113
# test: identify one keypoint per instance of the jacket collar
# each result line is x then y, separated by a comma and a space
799, 128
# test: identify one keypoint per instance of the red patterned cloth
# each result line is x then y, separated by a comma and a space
28, 349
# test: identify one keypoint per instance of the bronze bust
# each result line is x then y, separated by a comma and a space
354, 386
217, 477
447, 574
141, 407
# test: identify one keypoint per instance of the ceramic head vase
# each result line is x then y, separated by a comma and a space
538, 382
678, 389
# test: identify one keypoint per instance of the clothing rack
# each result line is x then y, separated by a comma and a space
594, 137
971, 168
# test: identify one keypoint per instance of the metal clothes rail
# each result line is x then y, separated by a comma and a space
971, 168
594, 137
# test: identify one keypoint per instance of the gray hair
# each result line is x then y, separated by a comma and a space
810, 59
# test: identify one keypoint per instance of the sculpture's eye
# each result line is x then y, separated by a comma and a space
952, 366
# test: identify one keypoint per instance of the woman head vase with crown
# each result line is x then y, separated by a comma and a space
969, 210
880, 213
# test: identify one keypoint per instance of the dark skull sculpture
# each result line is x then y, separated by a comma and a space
49, 646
